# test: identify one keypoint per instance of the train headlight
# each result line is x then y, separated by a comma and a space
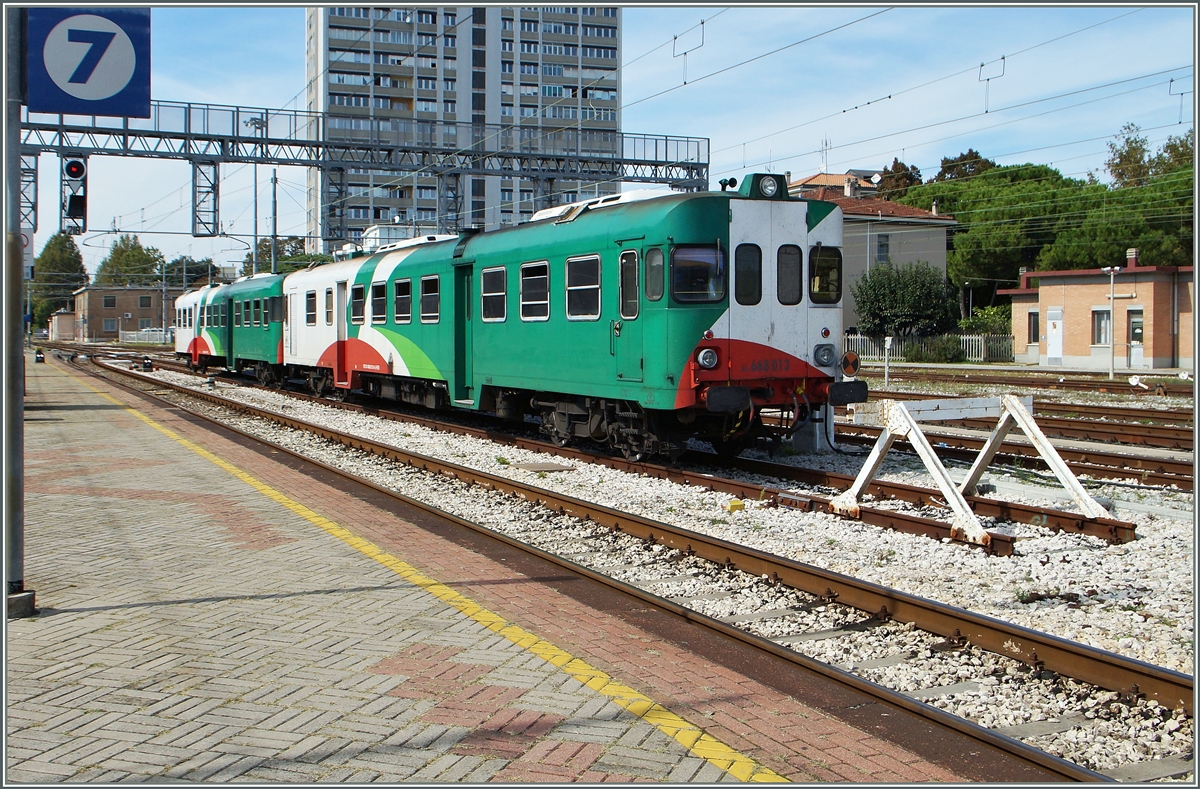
823, 355
768, 187
707, 358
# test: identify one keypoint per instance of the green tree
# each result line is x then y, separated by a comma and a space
912, 299
1177, 153
185, 272
965, 165
1129, 159
129, 263
897, 180
289, 256
988, 320
57, 271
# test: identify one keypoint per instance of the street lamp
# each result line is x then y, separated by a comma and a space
1111, 271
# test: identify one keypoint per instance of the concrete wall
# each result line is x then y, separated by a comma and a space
907, 243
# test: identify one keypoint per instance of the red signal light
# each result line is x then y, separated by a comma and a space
75, 168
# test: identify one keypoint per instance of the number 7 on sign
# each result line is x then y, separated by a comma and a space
100, 41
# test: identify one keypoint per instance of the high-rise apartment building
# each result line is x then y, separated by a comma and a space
450, 75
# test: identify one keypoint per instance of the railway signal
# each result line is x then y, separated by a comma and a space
74, 195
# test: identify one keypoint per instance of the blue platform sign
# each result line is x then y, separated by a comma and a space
89, 61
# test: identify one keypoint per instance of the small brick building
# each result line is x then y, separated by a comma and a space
1064, 317
102, 312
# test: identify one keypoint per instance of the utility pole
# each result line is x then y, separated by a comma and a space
1111, 271
254, 249
274, 218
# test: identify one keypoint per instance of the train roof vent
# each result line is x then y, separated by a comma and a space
572, 211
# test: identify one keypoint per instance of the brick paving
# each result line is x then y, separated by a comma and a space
194, 629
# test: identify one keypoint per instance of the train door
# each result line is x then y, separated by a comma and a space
341, 375
627, 330
463, 383
226, 329
1134, 331
1054, 335
766, 250
289, 331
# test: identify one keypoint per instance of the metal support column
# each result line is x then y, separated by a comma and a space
29, 215
20, 600
206, 179
450, 202
333, 188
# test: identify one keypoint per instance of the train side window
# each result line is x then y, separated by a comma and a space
583, 288
493, 287
654, 274
825, 275
237, 313
246, 312
310, 308
402, 300
535, 291
431, 300
378, 302
358, 303
256, 307
788, 275
273, 306
224, 315
629, 285
698, 274
328, 306
747, 274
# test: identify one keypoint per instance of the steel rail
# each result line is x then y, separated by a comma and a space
1173, 416
1039, 650
1002, 544
1097, 463
1158, 436
653, 532
1047, 381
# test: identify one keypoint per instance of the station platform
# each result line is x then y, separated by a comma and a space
210, 611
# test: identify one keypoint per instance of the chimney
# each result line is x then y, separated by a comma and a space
1131, 257
935, 213
850, 187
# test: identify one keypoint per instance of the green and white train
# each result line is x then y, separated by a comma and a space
634, 320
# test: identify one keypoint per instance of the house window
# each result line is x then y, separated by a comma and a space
882, 243
788, 275
535, 291
583, 288
378, 302
402, 300
747, 274
143, 323
329, 306
431, 301
1101, 327
358, 303
1033, 333
493, 290
310, 308
110, 302
110, 324
825, 275
144, 302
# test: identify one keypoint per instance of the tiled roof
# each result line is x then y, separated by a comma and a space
873, 206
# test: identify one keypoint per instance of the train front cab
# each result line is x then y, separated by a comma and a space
778, 344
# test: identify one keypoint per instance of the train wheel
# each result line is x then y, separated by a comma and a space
728, 450
634, 451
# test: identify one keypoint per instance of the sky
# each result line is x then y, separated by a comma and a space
769, 86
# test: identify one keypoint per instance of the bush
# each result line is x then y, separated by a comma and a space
988, 320
945, 349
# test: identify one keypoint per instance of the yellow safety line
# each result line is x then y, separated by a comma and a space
694, 739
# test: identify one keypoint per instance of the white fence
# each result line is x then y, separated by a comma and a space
149, 336
976, 347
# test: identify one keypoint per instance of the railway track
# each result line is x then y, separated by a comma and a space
1109, 529
962, 630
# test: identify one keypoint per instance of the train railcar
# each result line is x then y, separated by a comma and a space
198, 339
255, 326
633, 321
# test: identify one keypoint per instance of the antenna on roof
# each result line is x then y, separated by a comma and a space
824, 154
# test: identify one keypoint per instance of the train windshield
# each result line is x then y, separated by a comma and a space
698, 274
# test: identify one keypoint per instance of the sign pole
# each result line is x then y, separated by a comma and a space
20, 601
